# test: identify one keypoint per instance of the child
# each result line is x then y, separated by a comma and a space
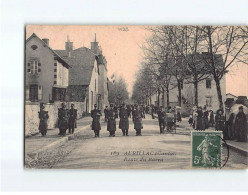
191, 120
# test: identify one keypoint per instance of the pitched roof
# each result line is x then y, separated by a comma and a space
59, 58
82, 61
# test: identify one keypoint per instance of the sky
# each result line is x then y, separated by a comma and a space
121, 47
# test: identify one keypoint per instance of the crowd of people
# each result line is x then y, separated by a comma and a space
67, 119
234, 127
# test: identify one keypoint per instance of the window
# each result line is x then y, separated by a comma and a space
55, 64
55, 82
209, 101
55, 76
208, 83
39, 70
55, 70
34, 68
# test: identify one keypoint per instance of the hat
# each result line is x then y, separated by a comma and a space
111, 105
241, 107
95, 105
219, 111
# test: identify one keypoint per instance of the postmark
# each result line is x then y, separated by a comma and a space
206, 149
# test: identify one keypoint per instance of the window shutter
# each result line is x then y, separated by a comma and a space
40, 92
39, 64
27, 92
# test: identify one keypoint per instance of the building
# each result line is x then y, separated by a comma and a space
88, 75
207, 93
231, 96
46, 73
103, 89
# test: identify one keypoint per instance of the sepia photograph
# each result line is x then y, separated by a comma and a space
135, 97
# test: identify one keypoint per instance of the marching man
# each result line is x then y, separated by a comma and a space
96, 126
124, 123
72, 119
111, 125
137, 114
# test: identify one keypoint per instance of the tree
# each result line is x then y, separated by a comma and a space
187, 42
144, 86
226, 46
157, 53
118, 91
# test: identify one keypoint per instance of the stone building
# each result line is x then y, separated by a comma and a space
88, 75
207, 93
46, 73
103, 89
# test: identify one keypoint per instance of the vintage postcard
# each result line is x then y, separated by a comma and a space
136, 97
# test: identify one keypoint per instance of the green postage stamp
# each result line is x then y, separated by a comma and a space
206, 149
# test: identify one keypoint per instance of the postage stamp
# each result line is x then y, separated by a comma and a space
206, 149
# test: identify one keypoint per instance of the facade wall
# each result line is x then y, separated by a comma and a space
103, 86
32, 117
62, 75
93, 88
44, 78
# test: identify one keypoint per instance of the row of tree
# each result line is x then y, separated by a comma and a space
177, 54
118, 92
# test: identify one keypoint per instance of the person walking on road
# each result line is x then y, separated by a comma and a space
124, 123
137, 114
72, 119
220, 121
63, 116
240, 125
43, 116
96, 126
200, 119
111, 126
161, 119
106, 113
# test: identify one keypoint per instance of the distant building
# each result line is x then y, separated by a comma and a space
231, 96
207, 93
46, 72
103, 89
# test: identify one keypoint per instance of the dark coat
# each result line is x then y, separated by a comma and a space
63, 116
219, 122
211, 120
111, 126
137, 114
205, 115
73, 118
200, 121
240, 127
124, 123
95, 114
43, 116
179, 118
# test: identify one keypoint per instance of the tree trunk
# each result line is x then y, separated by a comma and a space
167, 97
163, 97
179, 92
218, 88
158, 97
196, 91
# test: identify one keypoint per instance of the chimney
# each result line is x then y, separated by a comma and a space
68, 44
94, 46
46, 41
